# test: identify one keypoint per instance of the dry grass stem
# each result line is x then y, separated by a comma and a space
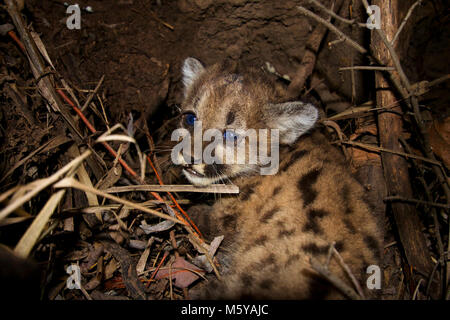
215, 188
72, 183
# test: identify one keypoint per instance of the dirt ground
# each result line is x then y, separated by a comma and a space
139, 47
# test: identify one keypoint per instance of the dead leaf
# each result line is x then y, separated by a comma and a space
202, 261
162, 226
140, 267
110, 268
77, 255
92, 284
181, 273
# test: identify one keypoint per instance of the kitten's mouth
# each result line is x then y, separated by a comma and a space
193, 172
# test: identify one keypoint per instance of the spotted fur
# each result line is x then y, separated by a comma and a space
278, 222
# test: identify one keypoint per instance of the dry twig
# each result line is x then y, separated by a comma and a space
215, 188
338, 283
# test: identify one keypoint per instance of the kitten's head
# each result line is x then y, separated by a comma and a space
236, 107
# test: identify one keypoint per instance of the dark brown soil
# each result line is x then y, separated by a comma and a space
130, 43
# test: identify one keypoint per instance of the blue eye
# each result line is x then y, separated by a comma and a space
189, 119
230, 135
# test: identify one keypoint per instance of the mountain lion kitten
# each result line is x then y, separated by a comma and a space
279, 221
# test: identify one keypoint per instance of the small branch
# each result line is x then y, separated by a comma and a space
93, 93
430, 279
439, 80
338, 283
334, 42
161, 21
21, 103
426, 203
336, 16
415, 106
344, 38
417, 290
381, 149
349, 273
332, 28
341, 136
367, 68
440, 173
429, 198
394, 57
411, 9
414, 242
44, 82
403, 87
309, 59
330, 254
174, 243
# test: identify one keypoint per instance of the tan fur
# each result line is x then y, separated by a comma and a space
279, 221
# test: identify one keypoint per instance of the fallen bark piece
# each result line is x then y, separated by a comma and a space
395, 166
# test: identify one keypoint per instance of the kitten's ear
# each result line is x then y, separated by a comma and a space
192, 68
292, 119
